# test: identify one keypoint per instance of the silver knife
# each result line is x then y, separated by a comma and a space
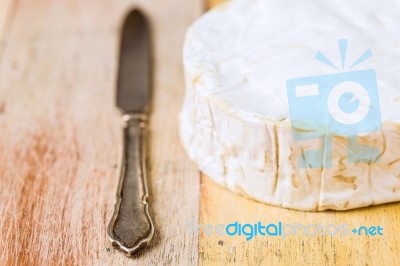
131, 227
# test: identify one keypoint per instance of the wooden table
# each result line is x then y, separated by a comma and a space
60, 146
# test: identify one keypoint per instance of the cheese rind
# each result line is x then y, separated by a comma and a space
235, 121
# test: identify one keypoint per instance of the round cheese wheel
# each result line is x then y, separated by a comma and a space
256, 68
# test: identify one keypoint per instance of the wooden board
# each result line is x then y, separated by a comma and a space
4, 12
219, 206
60, 144
60, 137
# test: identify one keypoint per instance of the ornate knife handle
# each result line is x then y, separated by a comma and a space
131, 227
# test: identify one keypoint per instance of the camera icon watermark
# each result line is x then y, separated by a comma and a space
339, 104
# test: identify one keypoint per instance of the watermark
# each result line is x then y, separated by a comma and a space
283, 230
339, 104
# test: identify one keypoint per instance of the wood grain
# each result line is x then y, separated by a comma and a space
213, 3
5, 11
220, 206
60, 147
60, 137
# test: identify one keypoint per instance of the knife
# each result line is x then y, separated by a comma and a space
131, 227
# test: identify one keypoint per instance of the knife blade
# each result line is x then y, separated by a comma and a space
131, 227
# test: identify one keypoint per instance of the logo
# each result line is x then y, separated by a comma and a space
339, 104
282, 230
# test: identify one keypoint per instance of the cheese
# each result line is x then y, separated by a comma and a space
235, 121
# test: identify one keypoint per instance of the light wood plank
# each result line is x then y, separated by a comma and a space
5, 16
212, 3
60, 137
220, 206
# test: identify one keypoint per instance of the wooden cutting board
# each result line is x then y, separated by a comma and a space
60, 146
60, 136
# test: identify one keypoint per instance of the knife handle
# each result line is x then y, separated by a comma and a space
131, 227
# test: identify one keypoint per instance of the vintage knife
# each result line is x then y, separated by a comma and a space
131, 226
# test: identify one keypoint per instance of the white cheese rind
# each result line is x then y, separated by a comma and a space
234, 120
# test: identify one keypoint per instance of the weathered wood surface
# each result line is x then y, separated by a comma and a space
219, 206
60, 134
60, 144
